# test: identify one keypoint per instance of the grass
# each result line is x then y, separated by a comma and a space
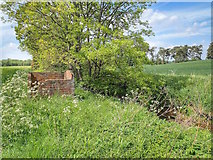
7, 72
201, 68
100, 127
93, 126
189, 82
189, 89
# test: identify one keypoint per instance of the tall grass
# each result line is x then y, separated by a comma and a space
90, 125
189, 89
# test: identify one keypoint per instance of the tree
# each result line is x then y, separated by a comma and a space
175, 53
158, 60
60, 33
167, 54
151, 52
162, 54
196, 52
186, 53
210, 51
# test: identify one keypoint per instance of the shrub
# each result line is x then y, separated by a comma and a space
137, 87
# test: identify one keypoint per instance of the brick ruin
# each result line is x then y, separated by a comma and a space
49, 83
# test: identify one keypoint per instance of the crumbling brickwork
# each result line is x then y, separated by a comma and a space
49, 83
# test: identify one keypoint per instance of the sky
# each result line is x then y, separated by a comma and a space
173, 23
177, 23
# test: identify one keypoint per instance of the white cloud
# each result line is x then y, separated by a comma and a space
181, 23
195, 24
187, 25
178, 19
9, 44
203, 24
173, 18
156, 17
6, 31
178, 35
11, 51
156, 42
203, 41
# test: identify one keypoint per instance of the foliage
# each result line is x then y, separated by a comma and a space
186, 82
55, 33
177, 53
93, 126
11, 93
190, 89
15, 62
120, 56
151, 53
210, 51
184, 53
119, 71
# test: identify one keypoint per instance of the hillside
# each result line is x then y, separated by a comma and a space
185, 68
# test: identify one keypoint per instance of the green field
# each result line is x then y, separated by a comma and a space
188, 81
7, 72
185, 68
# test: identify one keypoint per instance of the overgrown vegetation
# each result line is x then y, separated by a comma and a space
189, 89
90, 125
189, 84
89, 39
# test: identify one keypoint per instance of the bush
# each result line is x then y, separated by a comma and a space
137, 87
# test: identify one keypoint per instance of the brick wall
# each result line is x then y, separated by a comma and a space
49, 83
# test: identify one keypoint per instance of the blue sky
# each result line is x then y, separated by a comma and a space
180, 23
174, 23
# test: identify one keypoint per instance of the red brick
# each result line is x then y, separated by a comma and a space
53, 82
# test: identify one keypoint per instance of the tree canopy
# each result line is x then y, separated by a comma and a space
179, 53
210, 51
80, 34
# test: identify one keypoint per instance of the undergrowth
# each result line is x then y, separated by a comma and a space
90, 125
189, 89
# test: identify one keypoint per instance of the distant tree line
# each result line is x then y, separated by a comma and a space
210, 51
176, 54
15, 62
